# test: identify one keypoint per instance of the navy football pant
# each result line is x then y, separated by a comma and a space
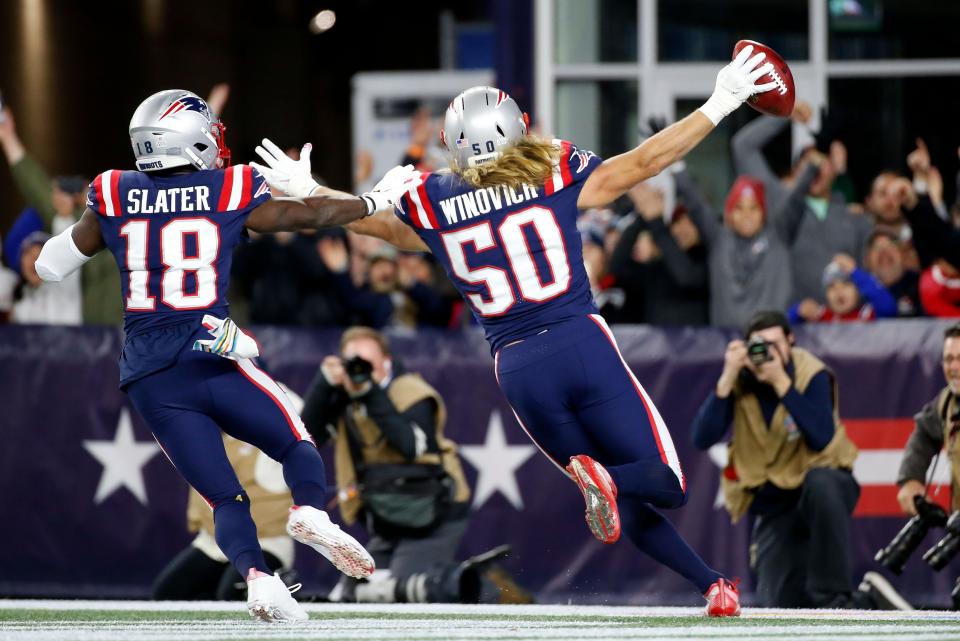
187, 405
573, 394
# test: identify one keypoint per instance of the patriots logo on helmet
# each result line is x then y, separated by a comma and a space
584, 157
187, 103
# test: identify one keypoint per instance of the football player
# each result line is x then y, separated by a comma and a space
172, 226
503, 224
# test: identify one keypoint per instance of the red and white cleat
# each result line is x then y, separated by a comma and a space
600, 495
313, 527
723, 599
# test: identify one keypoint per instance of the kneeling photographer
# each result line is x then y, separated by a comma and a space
397, 473
789, 466
936, 426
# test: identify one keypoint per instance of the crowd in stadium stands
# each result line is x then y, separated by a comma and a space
798, 243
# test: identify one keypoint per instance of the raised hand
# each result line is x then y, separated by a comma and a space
736, 83
292, 177
387, 193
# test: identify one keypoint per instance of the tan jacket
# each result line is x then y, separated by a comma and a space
405, 391
778, 453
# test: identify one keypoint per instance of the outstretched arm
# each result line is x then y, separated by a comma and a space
326, 208
385, 225
735, 83
66, 252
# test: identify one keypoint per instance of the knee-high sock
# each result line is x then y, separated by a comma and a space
649, 480
654, 534
304, 473
236, 534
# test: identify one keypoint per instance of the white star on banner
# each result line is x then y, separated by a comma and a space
122, 459
497, 462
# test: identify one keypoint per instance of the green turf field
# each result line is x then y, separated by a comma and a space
145, 621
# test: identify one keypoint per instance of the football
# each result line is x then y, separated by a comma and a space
777, 101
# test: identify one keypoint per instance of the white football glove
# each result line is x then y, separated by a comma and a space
735, 83
292, 177
229, 340
391, 188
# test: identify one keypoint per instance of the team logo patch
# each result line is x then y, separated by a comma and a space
187, 103
584, 157
264, 188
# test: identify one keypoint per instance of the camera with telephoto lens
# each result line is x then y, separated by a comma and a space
759, 351
895, 555
946, 548
358, 369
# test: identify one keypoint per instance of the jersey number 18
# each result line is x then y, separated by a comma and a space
177, 264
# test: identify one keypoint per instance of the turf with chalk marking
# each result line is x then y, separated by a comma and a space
34, 620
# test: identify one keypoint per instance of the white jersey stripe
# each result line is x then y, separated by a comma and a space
663, 434
236, 188
421, 212
106, 184
557, 177
268, 385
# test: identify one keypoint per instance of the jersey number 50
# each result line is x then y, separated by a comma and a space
513, 242
177, 264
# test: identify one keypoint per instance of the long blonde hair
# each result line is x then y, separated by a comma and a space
529, 161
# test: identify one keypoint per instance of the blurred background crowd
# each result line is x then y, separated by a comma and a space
808, 241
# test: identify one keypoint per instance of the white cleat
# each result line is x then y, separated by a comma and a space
269, 599
313, 527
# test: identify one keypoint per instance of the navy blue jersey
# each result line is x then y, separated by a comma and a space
173, 239
514, 254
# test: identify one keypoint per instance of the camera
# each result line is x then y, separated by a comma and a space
946, 548
895, 555
358, 369
758, 350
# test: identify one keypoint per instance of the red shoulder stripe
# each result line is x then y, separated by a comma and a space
245, 193
565, 163
98, 190
226, 190
425, 201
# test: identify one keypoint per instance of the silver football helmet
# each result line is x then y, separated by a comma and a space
479, 124
174, 128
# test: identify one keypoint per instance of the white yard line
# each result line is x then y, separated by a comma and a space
479, 623
474, 610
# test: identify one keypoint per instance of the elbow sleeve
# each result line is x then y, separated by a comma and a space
60, 257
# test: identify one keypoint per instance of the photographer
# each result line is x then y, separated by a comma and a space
396, 472
937, 424
789, 465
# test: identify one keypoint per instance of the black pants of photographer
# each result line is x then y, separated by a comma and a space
421, 569
194, 576
802, 555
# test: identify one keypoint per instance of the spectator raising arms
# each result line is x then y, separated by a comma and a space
748, 255
851, 294
662, 269
827, 227
60, 202
383, 299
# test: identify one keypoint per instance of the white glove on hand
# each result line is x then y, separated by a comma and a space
735, 83
391, 188
229, 340
292, 177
